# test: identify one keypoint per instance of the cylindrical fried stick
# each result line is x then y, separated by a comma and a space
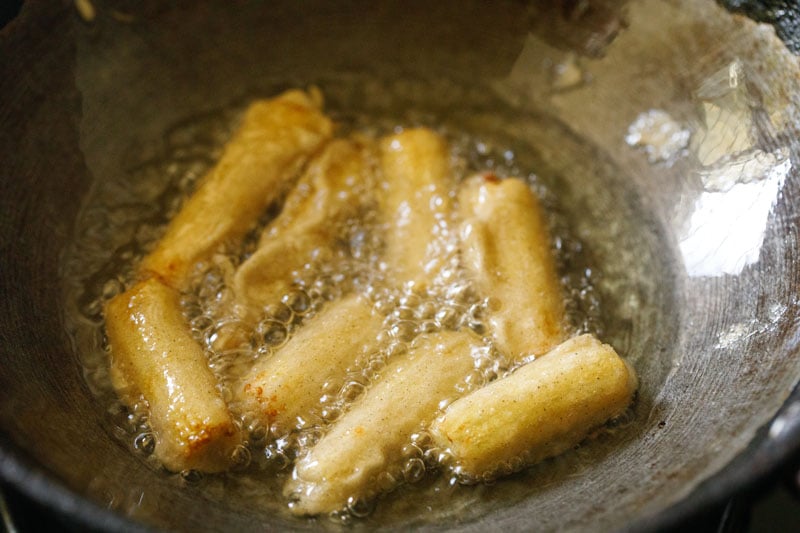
275, 139
289, 384
506, 247
415, 202
541, 410
335, 186
369, 438
154, 353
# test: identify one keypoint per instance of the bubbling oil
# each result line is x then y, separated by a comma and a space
123, 219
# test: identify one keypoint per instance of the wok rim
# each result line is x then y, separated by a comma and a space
35, 482
757, 466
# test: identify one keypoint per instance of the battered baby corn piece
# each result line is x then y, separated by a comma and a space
274, 140
155, 355
415, 202
369, 438
544, 408
289, 384
506, 247
334, 188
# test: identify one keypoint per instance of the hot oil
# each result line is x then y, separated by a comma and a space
121, 221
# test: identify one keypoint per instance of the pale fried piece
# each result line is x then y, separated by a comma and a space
506, 247
335, 187
368, 439
154, 354
415, 202
274, 140
337, 184
544, 408
289, 384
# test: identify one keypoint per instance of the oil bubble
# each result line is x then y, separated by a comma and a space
376, 365
404, 330
421, 439
396, 348
111, 288
431, 457
298, 301
257, 431
145, 443
413, 470
92, 309
277, 458
201, 323
426, 310
342, 517
279, 311
226, 335
309, 437
272, 333
386, 481
428, 326
409, 301
360, 507
329, 414
384, 305
477, 327
402, 313
240, 458
411, 450
351, 390
447, 318
191, 477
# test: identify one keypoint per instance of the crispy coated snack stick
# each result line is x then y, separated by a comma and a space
507, 248
369, 438
539, 411
155, 354
334, 185
290, 383
273, 142
415, 201
333, 188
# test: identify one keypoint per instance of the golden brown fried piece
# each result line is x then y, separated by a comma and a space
541, 410
154, 353
368, 439
274, 141
335, 187
415, 203
289, 384
506, 247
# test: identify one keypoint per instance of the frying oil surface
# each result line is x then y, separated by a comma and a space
122, 220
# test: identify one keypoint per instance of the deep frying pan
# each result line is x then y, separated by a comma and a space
698, 251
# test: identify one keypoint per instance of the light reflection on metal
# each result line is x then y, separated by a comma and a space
726, 228
726, 126
739, 178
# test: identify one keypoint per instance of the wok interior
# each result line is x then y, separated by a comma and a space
704, 312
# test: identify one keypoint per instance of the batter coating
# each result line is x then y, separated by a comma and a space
155, 355
289, 384
541, 410
506, 247
415, 203
369, 438
274, 141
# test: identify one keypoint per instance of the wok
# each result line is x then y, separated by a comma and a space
663, 134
